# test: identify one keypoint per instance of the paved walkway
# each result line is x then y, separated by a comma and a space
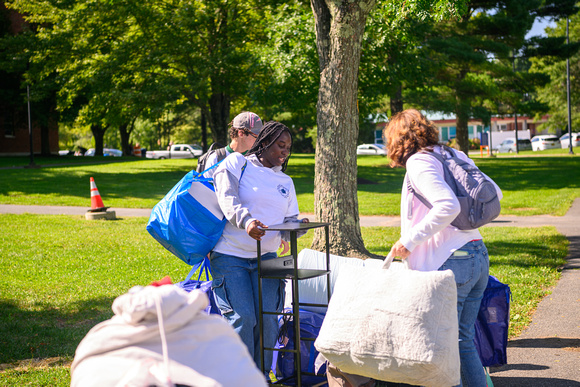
546, 354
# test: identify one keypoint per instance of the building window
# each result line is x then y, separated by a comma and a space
378, 136
452, 132
444, 134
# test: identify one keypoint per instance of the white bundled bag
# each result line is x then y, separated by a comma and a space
393, 324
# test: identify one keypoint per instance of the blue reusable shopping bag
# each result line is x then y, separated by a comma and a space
182, 224
283, 364
205, 286
491, 326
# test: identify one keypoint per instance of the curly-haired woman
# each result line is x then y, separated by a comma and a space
428, 240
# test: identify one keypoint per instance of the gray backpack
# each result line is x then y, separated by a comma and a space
475, 192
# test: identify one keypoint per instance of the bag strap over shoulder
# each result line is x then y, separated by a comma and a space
221, 153
446, 172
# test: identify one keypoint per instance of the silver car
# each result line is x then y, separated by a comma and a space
565, 140
371, 149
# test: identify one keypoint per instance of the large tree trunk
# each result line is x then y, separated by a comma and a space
339, 30
99, 135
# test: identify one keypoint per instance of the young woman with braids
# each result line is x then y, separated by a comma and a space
253, 191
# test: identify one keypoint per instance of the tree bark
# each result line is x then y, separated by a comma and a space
339, 30
219, 117
125, 145
99, 135
204, 144
462, 114
461, 134
396, 101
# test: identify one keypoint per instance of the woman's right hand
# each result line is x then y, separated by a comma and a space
398, 250
255, 231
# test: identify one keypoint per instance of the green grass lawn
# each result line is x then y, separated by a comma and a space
62, 273
531, 184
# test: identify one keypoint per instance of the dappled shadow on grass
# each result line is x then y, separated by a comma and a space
44, 331
147, 184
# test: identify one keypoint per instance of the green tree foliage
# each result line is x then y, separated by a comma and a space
286, 86
393, 57
554, 64
117, 61
474, 58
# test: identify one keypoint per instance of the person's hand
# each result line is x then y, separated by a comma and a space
398, 250
255, 231
284, 246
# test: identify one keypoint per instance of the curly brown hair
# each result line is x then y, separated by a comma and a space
407, 133
234, 132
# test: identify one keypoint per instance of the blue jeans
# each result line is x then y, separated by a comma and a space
471, 269
235, 288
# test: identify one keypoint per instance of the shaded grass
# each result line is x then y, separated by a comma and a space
531, 185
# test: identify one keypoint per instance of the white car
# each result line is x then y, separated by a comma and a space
509, 145
545, 141
106, 152
565, 140
371, 149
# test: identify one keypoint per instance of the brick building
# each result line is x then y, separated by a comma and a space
14, 127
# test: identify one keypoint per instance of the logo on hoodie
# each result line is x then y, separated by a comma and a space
285, 192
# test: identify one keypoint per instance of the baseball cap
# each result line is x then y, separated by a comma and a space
248, 120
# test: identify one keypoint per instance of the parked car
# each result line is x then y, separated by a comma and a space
565, 140
509, 145
106, 152
371, 149
177, 151
545, 141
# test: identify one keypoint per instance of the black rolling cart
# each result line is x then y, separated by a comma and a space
286, 267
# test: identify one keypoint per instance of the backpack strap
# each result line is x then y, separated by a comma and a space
446, 173
203, 158
221, 153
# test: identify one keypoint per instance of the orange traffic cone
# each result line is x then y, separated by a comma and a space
96, 201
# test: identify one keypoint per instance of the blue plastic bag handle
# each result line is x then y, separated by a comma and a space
205, 267
198, 176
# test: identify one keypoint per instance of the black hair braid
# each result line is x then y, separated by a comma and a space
270, 132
